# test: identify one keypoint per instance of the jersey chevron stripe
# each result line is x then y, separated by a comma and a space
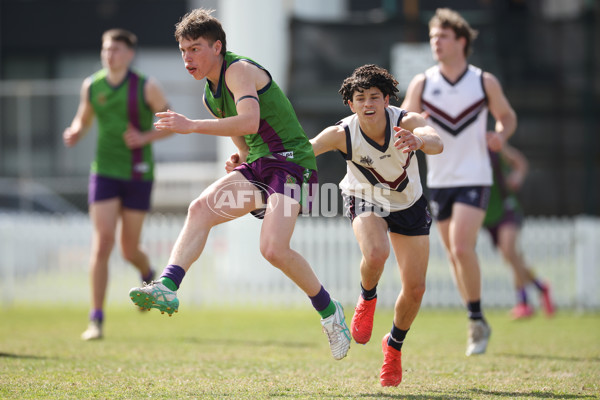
375, 178
455, 125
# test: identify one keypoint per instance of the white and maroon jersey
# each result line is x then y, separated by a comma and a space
458, 111
382, 175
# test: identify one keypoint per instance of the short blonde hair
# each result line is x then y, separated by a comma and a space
121, 35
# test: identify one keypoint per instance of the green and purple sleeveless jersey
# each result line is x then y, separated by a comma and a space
115, 108
279, 131
502, 199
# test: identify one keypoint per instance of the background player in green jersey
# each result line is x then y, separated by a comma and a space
273, 170
124, 101
503, 221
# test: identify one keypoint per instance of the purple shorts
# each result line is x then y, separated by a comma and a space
133, 194
442, 200
509, 217
274, 174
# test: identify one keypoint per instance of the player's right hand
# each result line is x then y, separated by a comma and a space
70, 137
234, 161
173, 122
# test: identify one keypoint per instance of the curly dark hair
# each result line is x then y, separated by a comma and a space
366, 77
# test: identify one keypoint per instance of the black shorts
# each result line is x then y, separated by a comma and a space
413, 221
443, 199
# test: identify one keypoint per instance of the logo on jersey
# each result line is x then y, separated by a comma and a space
289, 179
366, 160
141, 167
101, 99
287, 154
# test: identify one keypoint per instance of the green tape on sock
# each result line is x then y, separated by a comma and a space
328, 311
169, 283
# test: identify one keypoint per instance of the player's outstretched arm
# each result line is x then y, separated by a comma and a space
414, 134
331, 138
242, 80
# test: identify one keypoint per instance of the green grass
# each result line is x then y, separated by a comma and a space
273, 353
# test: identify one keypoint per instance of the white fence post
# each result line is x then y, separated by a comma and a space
587, 257
7, 261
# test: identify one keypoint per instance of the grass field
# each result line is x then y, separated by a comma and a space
264, 354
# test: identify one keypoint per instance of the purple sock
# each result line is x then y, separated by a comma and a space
96, 315
522, 296
321, 300
174, 273
541, 287
149, 277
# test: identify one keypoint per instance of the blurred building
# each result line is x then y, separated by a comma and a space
546, 53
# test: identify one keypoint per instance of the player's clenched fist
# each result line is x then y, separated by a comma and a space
234, 161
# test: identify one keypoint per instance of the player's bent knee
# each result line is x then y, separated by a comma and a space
415, 293
273, 254
376, 257
461, 251
200, 212
196, 206
104, 244
130, 255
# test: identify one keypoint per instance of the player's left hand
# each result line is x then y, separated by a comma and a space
406, 140
134, 139
173, 122
495, 141
515, 180
71, 137
234, 161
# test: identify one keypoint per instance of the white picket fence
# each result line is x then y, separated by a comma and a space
44, 258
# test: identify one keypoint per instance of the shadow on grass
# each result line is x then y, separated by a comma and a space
252, 343
473, 392
534, 394
381, 395
24, 356
548, 357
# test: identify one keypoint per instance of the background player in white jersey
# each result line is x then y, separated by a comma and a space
383, 196
456, 96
